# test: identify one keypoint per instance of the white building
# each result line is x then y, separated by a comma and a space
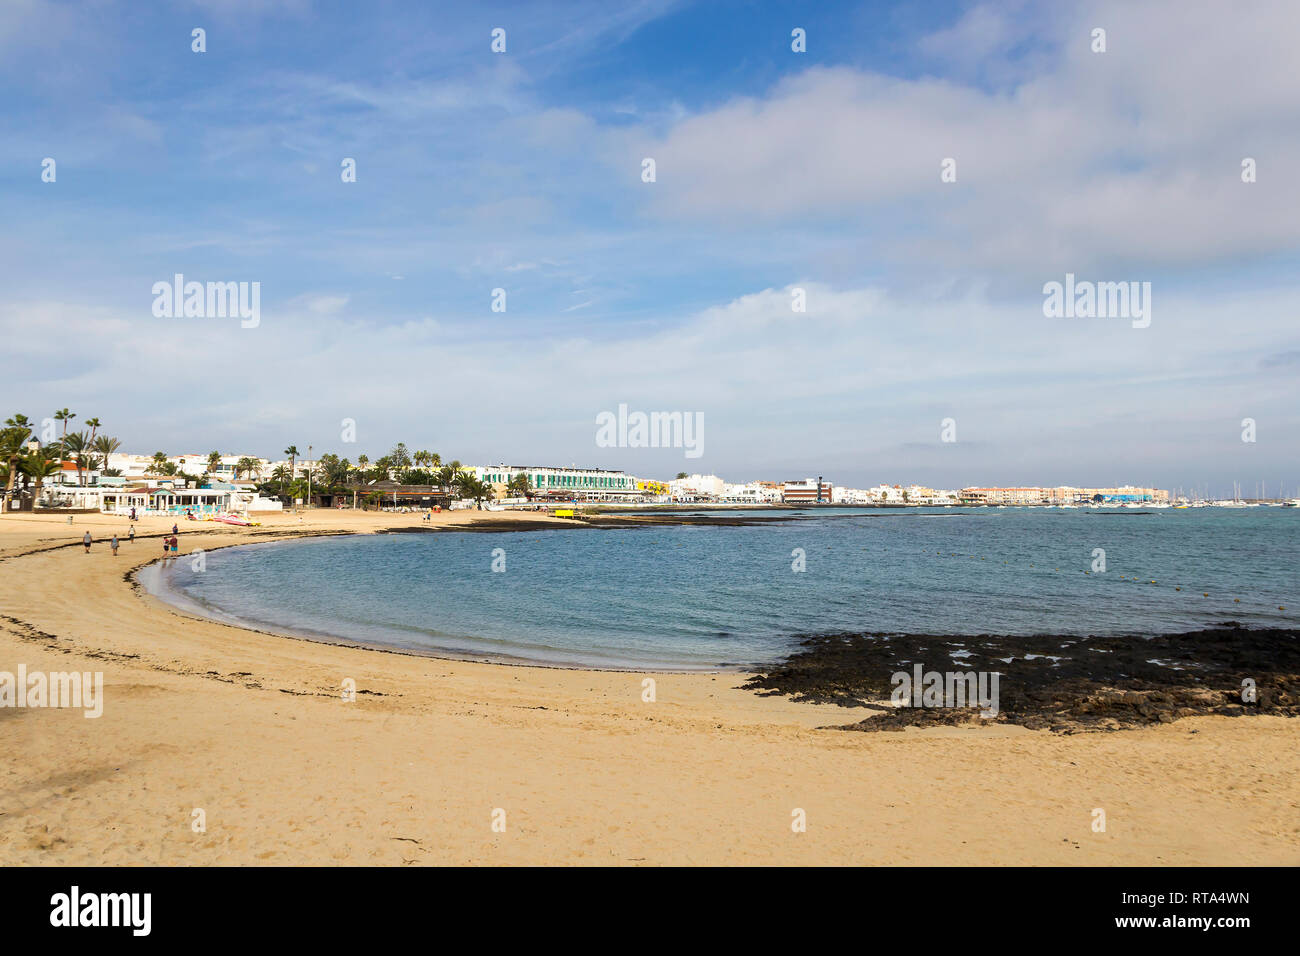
933, 497
885, 495
564, 483
752, 492
225, 469
159, 496
851, 496
140, 466
696, 487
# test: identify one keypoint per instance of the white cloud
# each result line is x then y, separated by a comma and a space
1132, 155
859, 383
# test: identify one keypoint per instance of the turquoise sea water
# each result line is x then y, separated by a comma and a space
704, 597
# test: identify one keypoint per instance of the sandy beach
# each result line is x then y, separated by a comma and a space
252, 729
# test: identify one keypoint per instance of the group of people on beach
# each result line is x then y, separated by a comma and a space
171, 545
87, 540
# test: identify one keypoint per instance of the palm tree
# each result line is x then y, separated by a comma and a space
105, 446
283, 475
467, 486
65, 416
247, 466
39, 465
94, 424
464, 484
292, 452
13, 438
421, 458
446, 476
519, 486
159, 462
214, 459
76, 446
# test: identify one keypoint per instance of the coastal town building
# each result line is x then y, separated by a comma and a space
139, 466
160, 496
752, 492
564, 483
697, 488
652, 489
851, 496
806, 491
1061, 495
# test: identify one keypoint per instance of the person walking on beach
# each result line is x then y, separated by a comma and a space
130, 535
112, 543
175, 546
166, 545
85, 539
175, 529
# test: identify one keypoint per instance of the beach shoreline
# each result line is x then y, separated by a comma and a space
253, 730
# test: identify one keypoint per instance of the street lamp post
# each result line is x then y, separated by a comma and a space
309, 476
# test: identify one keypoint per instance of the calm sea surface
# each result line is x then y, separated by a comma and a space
703, 597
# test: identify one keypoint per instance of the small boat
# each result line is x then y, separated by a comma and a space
233, 519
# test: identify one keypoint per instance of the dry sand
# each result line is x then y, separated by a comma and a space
252, 729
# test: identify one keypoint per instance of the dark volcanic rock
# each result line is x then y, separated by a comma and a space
1063, 683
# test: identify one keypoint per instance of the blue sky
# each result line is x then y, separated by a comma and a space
775, 170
